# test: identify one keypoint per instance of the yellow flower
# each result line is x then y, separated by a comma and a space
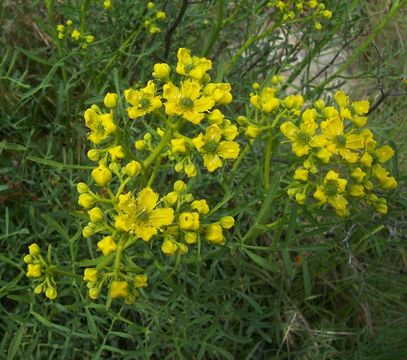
330, 191
187, 101
213, 149
171, 198
356, 191
90, 275
93, 154
190, 237
230, 131
192, 66
387, 182
110, 100
107, 4
216, 117
178, 146
190, 170
161, 71
303, 138
34, 249
139, 216
189, 221
180, 186
116, 152
358, 174
341, 99
75, 35
219, 92
142, 101
102, 125
34, 270
384, 154
201, 206
140, 281
366, 159
107, 245
169, 247
301, 174
214, 234
340, 143
265, 101
95, 214
160, 15
252, 131
361, 107
102, 175
119, 289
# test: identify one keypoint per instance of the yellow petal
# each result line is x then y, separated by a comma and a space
147, 199
161, 217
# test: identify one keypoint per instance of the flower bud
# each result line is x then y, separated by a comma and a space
190, 237
96, 214
140, 281
87, 231
140, 145
171, 198
169, 247
34, 249
110, 99
90, 274
82, 188
38, 289
227, 222
189, 221
132, 168
119, 289
102, 175
201, 206
86, 201
51, 293
93, 154
34, 270
116, 152
178, 146
28, 259
180, 186
190, 170
115, 166
161, 71
94, 293
214, 234
107, 245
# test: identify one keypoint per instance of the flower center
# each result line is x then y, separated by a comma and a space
331, 188
189, 68
142, 215
99, 128
186, 103
211, 146
145, 103
302, 138
341, 140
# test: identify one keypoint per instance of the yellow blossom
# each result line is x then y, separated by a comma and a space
361, 107
189, 221
358, 174
34, 249
187, 102
341, 99
132, 168
75, 35
190, 170
180, 186
219, 92
227, 222
201, 206
265, 101
102, 125
34, 270
301, 174
140, 281
331, 191
142, 101
107, 245
192, 66
356, 191
119, 289
51, 293
213, 149
86, 201
116, 152
216, 117
252, 131
384, 154
190, 237
140, 216
90, 274
178, 146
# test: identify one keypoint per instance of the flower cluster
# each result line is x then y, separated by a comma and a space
340, 159
126, 216
292, 9
152, 17
41, 271
68, 31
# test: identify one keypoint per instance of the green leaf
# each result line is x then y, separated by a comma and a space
11, 146
15, 343
57, 164
265, 264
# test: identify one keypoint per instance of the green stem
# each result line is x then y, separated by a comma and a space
240, 158
214, 35
118, 257
84, 12
251, 40
364, 46
267, 160
164, 141
155, 170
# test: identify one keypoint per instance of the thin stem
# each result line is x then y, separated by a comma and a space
267, 160
214, 35
117, 259
361, 49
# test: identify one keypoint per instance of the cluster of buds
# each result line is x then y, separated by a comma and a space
41, 271
153, 16
293, 9
67, 30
